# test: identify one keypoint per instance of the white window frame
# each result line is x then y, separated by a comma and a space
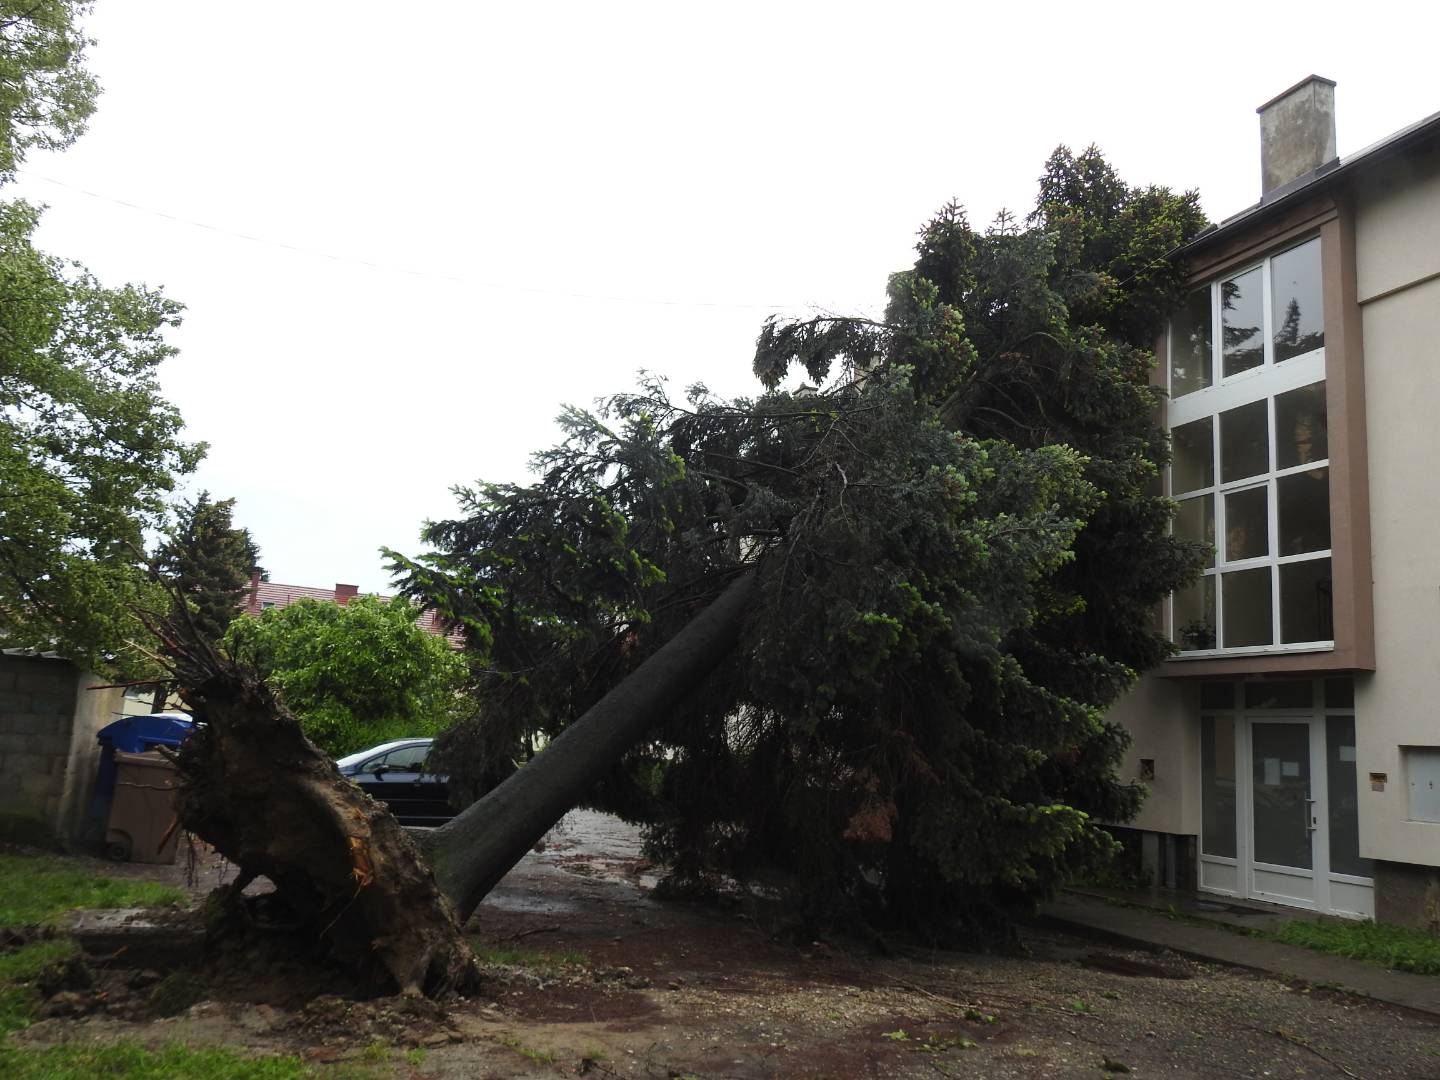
1264, 382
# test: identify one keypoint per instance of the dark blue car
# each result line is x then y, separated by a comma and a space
394, 773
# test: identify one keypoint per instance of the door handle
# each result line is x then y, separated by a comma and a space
1311, 822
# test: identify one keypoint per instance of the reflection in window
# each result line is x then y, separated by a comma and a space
1342, 797
1191, 347
1340, 693
1303, 500
1249, 466
1217, 695
1244, 442
1193, 456
1280, 783
1301, 434
1217, 786
1248, 608
1242, 346
1195, 615
1247, 524
1298, 314
1195, 520
1305, 602
1279, 694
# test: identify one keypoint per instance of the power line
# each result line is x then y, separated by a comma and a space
409, 271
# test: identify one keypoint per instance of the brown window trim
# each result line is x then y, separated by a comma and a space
1353, 614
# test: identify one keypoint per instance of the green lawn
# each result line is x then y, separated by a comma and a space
1396, 947
38, 889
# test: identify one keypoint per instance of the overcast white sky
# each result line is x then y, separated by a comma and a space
468, 214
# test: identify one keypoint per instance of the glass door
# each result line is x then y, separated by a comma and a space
1286, 809
1279, 795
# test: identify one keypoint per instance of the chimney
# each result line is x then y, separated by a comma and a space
1297, 132
252, 603
343, 593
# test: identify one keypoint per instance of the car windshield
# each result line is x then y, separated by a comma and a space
356, 758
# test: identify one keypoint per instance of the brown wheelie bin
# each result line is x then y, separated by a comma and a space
143, 824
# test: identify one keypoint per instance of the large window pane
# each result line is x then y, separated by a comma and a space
1244, 441
1303, 500
1193, 456
1280, 694
1281, 764
1242, 343
1248, 608
1340, 693
1341, 791
1217, 786
1305, 592
1190, 345
1298, 314
1301, 435
1195, 520
1247, 524
1194, 615
1217, 695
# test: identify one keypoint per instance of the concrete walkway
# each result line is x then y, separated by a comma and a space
1092, 915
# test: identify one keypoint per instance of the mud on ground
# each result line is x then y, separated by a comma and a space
588, 975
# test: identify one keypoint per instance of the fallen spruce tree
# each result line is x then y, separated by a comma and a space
866, 634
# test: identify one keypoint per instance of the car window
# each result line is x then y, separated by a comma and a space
409, 758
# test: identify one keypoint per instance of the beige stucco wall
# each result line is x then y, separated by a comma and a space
1162, 716
1400, 705
1397, 228
1397, 263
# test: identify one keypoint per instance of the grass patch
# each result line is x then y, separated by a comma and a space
18, 970
175, 993
530, 959
1384, 944
39, 889
530, 1053
1396, 947
126, 1061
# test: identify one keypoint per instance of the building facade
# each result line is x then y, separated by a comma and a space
1292, 745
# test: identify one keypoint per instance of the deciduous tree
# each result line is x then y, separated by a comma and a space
89, 448
355, 674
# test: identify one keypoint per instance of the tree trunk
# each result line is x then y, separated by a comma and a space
257, 789
477, 848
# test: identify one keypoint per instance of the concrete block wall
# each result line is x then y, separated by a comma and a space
48, 752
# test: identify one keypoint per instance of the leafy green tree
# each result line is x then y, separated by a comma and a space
207, 561
89, 450
354, 674
46, 95
952, 554
88, 447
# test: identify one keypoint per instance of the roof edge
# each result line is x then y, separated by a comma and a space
1315, 181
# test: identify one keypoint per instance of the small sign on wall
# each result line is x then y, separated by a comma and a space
1377, 781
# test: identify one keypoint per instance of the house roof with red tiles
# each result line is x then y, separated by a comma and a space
264, 595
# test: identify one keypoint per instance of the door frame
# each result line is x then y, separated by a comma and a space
1317, 811
1331, 892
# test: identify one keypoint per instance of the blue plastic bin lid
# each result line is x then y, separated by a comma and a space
136, 734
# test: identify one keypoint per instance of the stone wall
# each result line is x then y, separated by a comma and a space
48, 752
1407, 895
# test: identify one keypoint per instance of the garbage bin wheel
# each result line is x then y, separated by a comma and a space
118, 850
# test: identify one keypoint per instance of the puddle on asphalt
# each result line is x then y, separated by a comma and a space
527, 902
